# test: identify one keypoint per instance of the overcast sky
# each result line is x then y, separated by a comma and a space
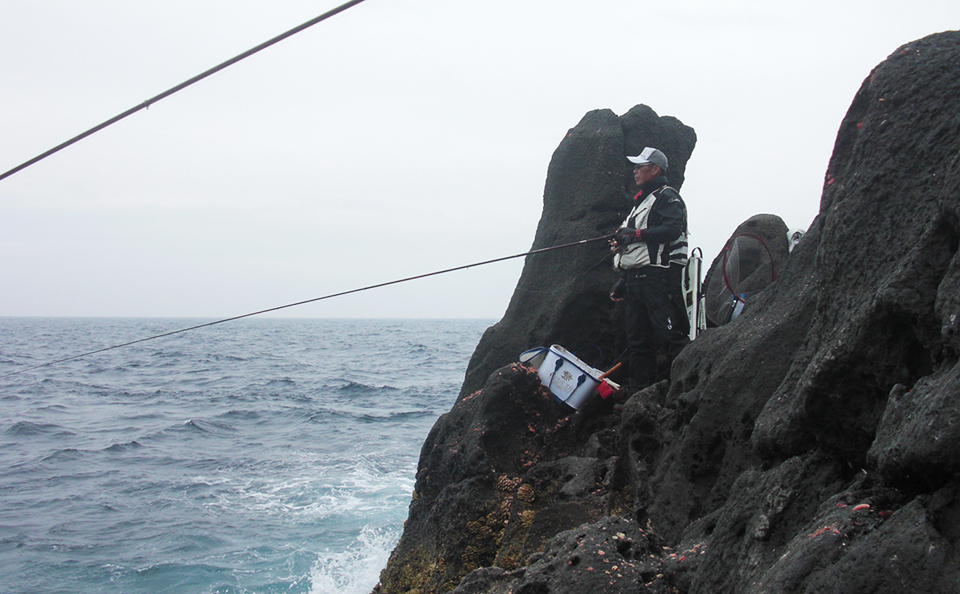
398, 138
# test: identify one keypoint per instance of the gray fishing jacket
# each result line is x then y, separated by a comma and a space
661, 216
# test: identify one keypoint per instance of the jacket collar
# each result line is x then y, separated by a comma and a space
652, 185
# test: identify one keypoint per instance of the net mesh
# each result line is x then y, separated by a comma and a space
747, 269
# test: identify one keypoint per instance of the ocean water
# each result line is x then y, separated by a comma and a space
262, 455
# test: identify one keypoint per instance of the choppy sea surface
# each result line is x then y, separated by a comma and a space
262, 455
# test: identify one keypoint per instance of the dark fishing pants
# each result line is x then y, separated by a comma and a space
656, 317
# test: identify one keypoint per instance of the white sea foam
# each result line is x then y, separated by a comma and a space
357, 569
364, 485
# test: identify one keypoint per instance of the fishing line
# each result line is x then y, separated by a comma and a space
567, 284
263, 311
182, 86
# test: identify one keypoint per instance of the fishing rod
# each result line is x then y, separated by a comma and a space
330, 296
182, 86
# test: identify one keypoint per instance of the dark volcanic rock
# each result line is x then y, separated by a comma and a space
810, 445
612, 555
723, 379
467, 482
887, 272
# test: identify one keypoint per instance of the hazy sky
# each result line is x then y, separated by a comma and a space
400, 137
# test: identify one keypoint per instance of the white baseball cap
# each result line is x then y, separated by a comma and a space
650, 155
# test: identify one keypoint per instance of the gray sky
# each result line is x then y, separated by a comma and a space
401, 137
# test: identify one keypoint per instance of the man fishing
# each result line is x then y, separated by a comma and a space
650, 252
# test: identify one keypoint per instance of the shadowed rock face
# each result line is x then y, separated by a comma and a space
810, 445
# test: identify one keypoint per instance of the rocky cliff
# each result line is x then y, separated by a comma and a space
810, 445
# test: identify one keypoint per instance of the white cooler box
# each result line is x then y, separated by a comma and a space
569, 379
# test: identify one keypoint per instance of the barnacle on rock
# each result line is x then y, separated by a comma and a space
500, 513
509, 562
526, 518
526, 493
471, 555
508, 485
